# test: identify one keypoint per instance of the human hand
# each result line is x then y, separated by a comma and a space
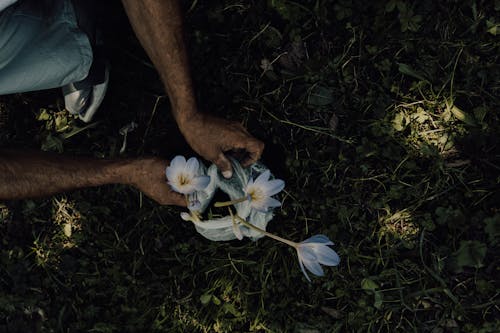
213, 138
148, 176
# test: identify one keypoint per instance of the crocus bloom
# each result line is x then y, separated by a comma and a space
184, 176
315, 251
259, 192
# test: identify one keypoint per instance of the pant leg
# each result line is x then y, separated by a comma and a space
40, 50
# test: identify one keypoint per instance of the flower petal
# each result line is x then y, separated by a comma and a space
271, 202
259, 205
274, 186
200, 182
170, 172
303, 270
320, 239
314, 267
178, 162
174, 187
306, 253
326, 256
184, 189
192, 166
263, 178
249, 184
194, 205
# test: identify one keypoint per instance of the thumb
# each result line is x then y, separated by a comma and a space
224, 165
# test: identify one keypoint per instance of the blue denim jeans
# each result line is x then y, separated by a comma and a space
40, 50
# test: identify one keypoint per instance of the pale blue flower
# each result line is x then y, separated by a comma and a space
184, 176
259, 192
194, 204
314, 252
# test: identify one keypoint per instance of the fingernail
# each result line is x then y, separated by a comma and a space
227, 174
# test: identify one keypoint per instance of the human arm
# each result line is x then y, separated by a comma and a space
158, 26
35, 174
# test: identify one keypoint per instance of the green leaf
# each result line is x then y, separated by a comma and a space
480, 112
451, 216
470, 254
52, 143
492, 228
379, 299
368, 284
462, 116
230, 308
485, 287
390, 6
407, 70
216, 300
493, 28
205, 299
320, 96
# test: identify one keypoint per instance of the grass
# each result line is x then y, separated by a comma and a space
381, 117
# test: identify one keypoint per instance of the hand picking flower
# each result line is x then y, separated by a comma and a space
183, 176
186, 177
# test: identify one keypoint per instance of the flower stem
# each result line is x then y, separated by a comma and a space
268, 234
229, 203
236, 228
196, 216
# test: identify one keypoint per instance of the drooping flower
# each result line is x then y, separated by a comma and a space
314, 252
259, 192
184, 176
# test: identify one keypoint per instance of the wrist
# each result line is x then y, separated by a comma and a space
121, 171
184, 116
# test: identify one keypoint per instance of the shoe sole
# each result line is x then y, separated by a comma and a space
98, 90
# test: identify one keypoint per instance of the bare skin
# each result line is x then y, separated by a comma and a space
158, 26
34, 174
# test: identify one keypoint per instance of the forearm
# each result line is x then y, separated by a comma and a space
35, 174
158, 26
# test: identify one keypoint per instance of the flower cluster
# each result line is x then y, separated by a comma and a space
186, 177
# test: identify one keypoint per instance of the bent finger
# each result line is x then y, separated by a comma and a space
224, 165
254, 148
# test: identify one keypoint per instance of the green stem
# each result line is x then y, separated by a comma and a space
268, 234
230, 203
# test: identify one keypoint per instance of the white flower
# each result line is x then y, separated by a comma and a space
259, 192
194, 204
184, 176
315, 251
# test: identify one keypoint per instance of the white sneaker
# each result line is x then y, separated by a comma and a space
96, 98
85, 97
